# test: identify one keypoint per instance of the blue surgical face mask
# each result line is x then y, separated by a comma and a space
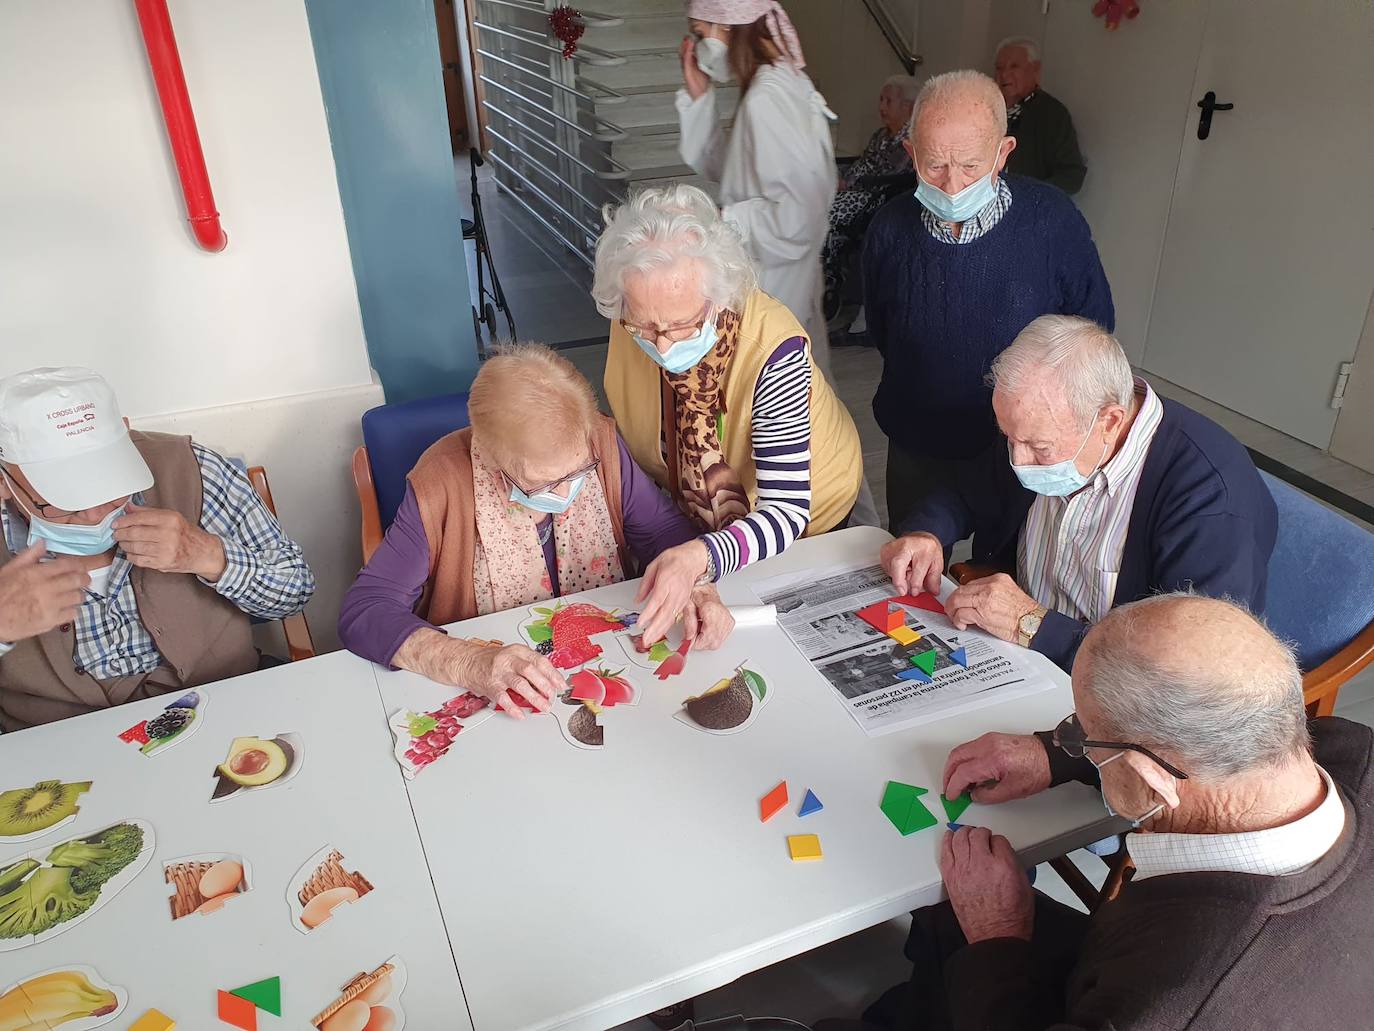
548, 501
684, 353
71, 539
963, 205
1061, 478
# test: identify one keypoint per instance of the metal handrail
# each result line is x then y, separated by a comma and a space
909, 58
616, 132
534, 214
619, 173
591, 55
590, 230
612, 96
552, 176
590, 19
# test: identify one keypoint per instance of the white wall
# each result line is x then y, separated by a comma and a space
98, 267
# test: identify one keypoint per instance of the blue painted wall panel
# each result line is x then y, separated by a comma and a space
384, 96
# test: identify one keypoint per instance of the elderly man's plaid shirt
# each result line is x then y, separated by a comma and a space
265, 574
976, 227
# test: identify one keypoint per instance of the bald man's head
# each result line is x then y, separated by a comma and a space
1198, 680
968, 98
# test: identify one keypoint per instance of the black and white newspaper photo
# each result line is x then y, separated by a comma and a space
819, 612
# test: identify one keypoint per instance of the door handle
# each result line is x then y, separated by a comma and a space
1208, 103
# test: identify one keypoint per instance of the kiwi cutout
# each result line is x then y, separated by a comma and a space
46, 804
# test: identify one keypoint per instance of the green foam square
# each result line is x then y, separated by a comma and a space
902, 806
265, 995
925, 662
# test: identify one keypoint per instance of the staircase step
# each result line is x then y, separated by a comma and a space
641, 34
654, 112
625, 8
651, 157
641, 73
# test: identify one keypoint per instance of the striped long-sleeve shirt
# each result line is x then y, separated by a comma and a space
781, 429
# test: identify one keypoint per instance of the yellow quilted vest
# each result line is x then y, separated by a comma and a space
634, 387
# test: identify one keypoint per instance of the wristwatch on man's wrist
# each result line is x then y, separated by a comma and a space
1029, 625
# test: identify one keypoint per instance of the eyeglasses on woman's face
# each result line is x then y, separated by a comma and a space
672, 333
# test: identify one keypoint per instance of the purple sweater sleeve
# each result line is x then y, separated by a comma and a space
653, 523
378, 610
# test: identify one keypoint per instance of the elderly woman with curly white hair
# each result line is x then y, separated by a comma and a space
717, 395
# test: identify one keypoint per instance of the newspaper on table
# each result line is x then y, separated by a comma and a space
818, 610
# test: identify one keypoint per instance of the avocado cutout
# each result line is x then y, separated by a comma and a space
253, 763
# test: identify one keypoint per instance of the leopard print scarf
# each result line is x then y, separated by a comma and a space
706, 488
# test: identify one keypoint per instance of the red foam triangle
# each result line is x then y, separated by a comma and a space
924, 600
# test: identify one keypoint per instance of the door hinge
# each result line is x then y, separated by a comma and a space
1342, 378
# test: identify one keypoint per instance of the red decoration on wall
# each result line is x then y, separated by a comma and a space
1114, 10
566, 23
165, 63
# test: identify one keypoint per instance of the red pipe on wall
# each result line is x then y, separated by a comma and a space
165, 63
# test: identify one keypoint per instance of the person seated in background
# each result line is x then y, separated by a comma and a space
865, 185
171, 551
1101, 494
713, 384
537, 498
1046, 142
1252, 902
952, 272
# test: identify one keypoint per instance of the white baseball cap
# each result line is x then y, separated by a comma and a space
63, 429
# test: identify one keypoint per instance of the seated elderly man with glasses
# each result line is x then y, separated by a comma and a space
1252, 901
538, 498
130, 563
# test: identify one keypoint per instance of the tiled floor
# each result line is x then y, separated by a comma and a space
547, 289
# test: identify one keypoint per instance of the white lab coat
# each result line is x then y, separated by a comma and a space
777, 176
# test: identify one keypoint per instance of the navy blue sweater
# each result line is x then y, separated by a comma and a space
940, 312
1202, 518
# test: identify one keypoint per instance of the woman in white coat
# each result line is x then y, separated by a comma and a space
776, 167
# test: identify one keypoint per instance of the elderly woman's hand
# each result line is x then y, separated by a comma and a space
667, 587
514, 670
706, 620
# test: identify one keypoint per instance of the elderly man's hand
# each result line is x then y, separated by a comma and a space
36, 597
693, 78
998, 768
987, 887
914, 562
667, 587
994, 604
161, 539
706, 620
500, 673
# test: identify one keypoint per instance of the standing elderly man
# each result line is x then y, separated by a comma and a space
867, 183
1252, 903
1104, 494
1046, 142
170, 552
954, 272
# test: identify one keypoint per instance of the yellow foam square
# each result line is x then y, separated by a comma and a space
804, 847
904, 635
153, 1020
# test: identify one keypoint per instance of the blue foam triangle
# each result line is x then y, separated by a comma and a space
914, 674
959, 655
810, 804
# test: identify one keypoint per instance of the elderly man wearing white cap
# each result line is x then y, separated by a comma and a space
167, 551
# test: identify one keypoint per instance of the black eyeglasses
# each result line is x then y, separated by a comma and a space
1070, 738
585, 471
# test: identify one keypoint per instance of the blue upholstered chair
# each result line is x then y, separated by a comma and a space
394, 438
1321, 593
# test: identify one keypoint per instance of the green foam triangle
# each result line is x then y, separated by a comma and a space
925, 662
265, 995
902, 806
954, 807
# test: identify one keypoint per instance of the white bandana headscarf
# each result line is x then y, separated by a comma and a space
746, 12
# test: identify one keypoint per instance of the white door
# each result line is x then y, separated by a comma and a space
1268, 259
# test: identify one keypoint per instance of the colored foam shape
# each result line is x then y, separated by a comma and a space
925, 662
902, 806
810, 804
925, 600
265, 994
772, 802
954, 807
153, 1020
904, 635
919, 675
238, 1012
881, 616
959, 656
804, 847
